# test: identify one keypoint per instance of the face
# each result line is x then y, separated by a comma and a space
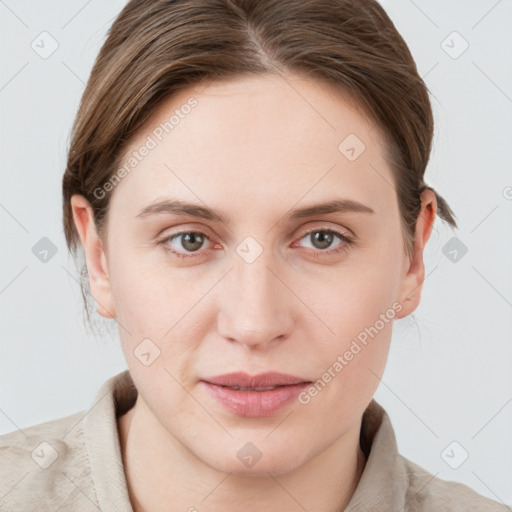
247, 284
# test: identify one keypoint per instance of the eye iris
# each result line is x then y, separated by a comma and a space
192, 241
323, 237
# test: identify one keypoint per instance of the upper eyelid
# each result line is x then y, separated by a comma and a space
338, 231
334, 230
305, 232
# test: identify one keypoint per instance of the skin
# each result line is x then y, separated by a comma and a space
252, 149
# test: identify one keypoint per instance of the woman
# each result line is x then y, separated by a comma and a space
246, 181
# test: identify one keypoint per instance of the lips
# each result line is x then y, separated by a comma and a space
254, 396
241, 380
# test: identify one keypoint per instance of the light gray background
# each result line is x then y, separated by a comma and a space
449, 374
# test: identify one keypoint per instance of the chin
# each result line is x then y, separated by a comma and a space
249, 461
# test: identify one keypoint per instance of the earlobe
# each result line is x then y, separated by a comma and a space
97, 268
414, 269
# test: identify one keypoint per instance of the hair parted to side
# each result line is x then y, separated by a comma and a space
158, 47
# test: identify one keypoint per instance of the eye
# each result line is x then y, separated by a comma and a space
185, 242
188, 244
323, 239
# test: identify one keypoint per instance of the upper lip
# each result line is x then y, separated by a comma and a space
252, 381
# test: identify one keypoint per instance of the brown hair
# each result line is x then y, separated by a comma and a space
158, 47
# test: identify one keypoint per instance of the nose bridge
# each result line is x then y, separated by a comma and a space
254, 309
255, 281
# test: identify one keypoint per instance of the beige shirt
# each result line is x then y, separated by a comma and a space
74, 464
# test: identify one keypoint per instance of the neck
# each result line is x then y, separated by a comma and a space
160, 470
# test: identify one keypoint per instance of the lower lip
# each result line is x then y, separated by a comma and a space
255, 403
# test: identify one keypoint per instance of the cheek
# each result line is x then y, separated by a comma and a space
349, 364
160, 315
358, 305
143, 294
362, 321
354, 295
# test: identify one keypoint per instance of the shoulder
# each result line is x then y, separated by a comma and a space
46, 465
428, 493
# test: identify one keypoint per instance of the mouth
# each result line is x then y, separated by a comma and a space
262, 380
254, 396
243, 388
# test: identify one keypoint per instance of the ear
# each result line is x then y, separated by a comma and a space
414, 269
95, 255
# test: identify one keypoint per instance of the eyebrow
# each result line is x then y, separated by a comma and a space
176, 206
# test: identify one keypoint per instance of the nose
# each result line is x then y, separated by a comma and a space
256, 306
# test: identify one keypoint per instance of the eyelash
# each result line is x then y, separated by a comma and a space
348, 241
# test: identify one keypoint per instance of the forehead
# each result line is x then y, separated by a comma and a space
261, 138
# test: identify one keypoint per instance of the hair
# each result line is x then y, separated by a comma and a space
156, 48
